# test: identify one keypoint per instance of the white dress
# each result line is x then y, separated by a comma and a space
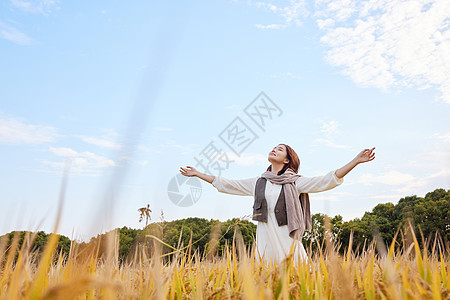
273, 241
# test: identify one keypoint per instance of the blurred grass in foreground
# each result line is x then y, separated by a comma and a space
378, 273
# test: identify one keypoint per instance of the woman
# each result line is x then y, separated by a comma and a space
282, 218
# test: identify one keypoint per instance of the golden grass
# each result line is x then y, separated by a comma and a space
238, 274
405, 272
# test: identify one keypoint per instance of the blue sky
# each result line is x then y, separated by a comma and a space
132, 92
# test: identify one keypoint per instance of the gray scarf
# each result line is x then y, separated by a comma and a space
298, 214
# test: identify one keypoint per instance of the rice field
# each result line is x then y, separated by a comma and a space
397, 271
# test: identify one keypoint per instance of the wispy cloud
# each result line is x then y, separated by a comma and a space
418, 187
329, 127
249, 159
270, 26
444, 137
430, 160
100, 142
387, 196
389, 43
291, 12
390, 178
330, 198
14, 131
403, 183
422, 172
43, 7
328, 143
436, 155
110, 140
82, 163
12, 34
292, 75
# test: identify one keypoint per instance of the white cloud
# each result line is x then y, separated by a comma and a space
426, 182
108, 140
444, 173
436, 154
329, 127
86, 163
389, 43
291, 12
426, 171
417, 188
14, 131
100, 142
62, 151
270, 26
249, 159
330, 198
292, 75
381, 43
14, 35
387, 196
445, 137
44, 7
324, 23
430, 160
328, 143
389, 178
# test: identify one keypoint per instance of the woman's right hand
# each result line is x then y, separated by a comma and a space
189, 171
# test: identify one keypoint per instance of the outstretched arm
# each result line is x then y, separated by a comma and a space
191, 171
243, 187
364, 156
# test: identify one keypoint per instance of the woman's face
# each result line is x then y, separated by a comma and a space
278, 155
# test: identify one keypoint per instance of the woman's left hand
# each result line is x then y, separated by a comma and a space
365, 156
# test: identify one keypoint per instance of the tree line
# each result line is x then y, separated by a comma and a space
429, 217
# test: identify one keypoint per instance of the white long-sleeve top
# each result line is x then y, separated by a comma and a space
273, 241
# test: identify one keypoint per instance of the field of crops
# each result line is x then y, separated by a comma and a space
392, 272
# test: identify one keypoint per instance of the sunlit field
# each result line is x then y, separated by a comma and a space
397, 271
210, 110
